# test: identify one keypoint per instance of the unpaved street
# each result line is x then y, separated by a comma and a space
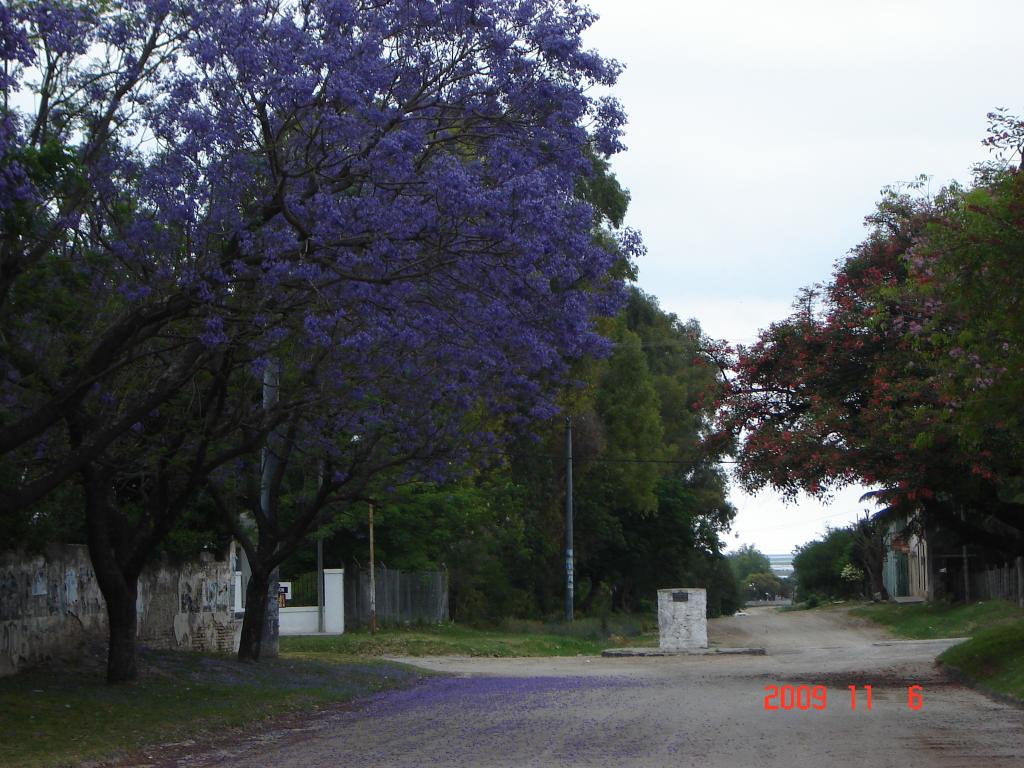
706, 711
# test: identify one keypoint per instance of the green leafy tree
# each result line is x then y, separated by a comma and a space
650, 496
967, 272
869, 552
819, 565
747, 560
629, 413
763, 585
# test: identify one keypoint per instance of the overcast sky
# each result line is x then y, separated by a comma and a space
760, 136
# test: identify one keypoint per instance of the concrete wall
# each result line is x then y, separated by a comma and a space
189, 607
305, 620
300, 620
51, 606
48, 606
683, 618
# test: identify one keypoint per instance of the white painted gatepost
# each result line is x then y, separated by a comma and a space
302, 620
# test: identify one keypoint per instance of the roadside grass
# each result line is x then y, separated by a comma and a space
65, 715
586, 637
993, 657
932, 620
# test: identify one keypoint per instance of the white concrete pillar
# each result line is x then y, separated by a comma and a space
682, 618
334, 600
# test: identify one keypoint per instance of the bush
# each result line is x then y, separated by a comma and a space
819, 565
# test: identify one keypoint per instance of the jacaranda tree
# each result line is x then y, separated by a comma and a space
310, 243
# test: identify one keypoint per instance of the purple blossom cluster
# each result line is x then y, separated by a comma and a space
379, 195
487, 720
483, 693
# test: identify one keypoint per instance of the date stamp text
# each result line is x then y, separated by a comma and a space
815, 697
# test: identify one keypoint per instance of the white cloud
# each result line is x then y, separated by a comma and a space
774, 526
761, 133
735, 318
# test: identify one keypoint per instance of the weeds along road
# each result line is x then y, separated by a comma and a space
702, 711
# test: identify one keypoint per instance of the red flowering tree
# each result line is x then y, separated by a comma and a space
865, 382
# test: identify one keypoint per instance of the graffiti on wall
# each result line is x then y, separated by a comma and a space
52, 605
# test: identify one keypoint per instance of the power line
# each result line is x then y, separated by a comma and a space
576, 459
654, 461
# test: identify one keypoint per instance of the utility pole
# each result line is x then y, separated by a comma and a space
320, 567
568, 520
320, 583
270, 463
373, 581
967, 574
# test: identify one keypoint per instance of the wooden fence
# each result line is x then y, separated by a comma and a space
992, 582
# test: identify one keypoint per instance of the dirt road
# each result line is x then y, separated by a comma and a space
701, 711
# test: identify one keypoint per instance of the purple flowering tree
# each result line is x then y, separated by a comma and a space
96, 324
284, 251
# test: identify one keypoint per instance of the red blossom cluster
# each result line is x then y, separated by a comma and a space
904, 371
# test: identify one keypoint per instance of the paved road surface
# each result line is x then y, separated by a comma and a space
700, 711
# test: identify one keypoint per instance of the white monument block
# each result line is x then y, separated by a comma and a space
683, 618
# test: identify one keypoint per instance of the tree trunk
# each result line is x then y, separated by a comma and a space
876, 572
121, 665
118, 585
876, 581
119, 593
869, 547
260, 625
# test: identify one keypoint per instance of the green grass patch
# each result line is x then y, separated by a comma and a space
933, 620
65, 715
586, 637
993, 657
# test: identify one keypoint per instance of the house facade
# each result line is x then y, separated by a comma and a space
907, 569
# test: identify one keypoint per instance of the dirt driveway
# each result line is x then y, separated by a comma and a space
701, 711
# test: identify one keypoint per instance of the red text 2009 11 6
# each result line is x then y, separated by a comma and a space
807, 697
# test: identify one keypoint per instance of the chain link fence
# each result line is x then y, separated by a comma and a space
402, 597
